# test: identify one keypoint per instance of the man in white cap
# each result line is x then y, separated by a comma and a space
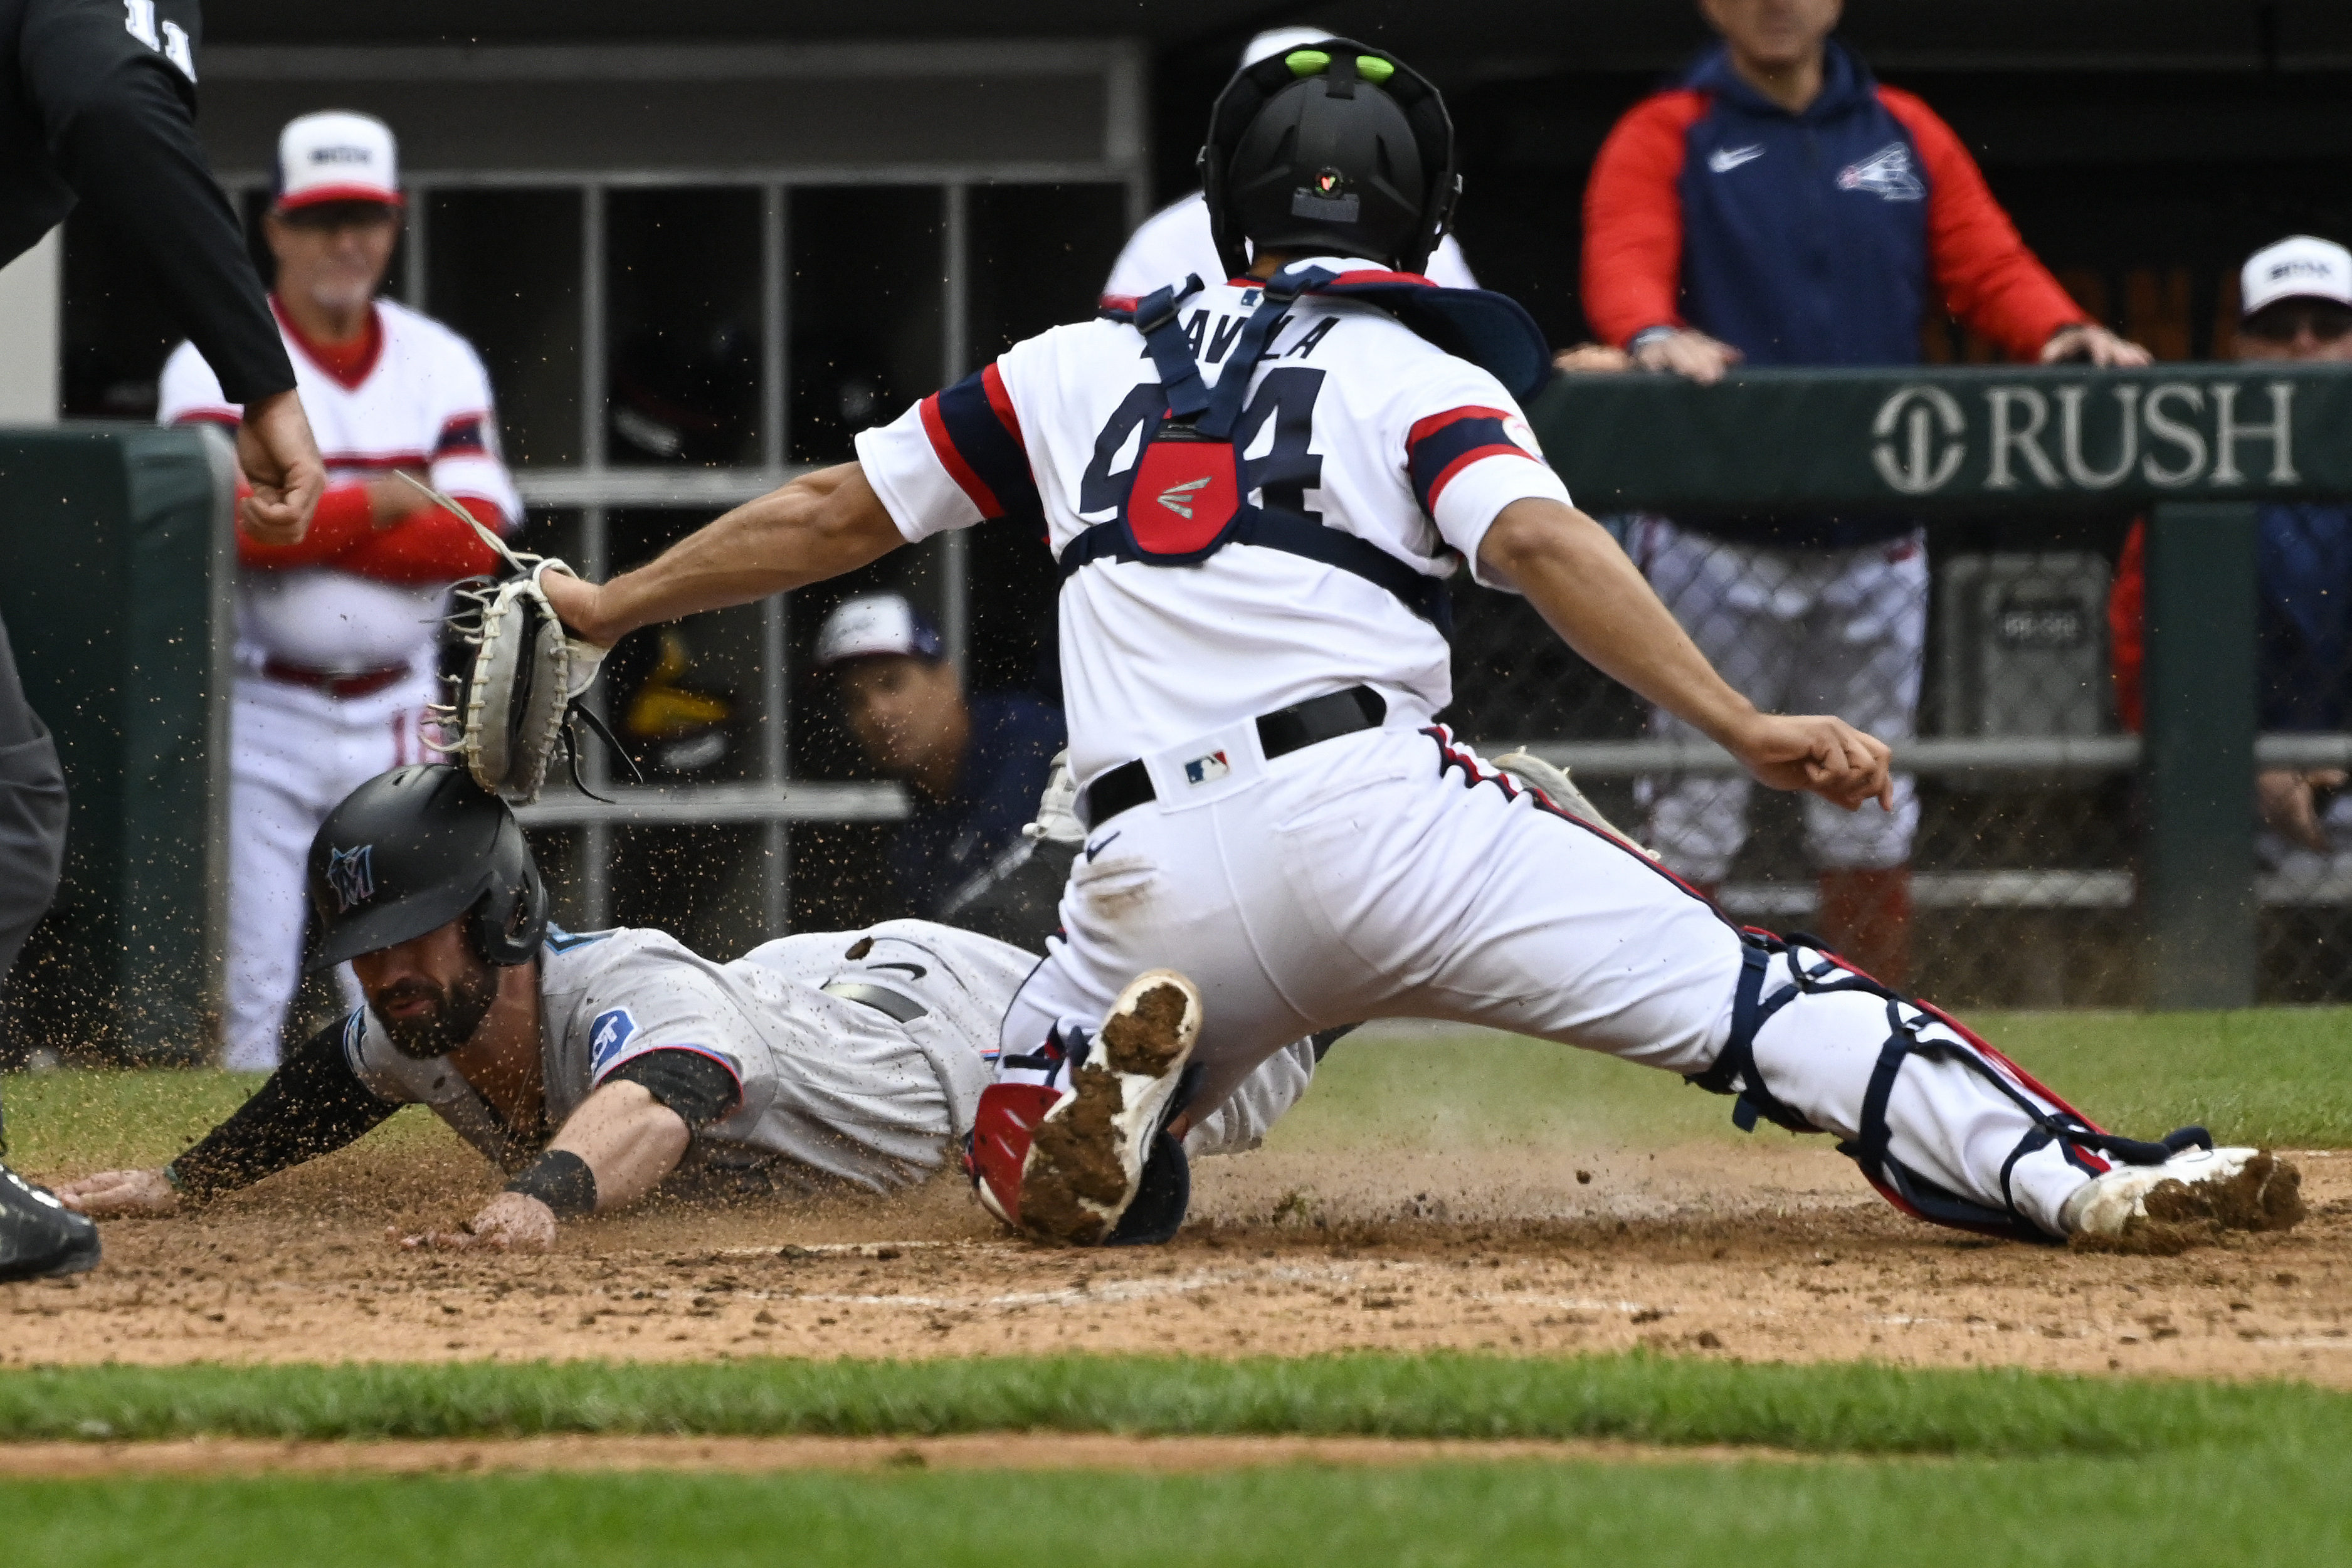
337, 634
1173, 242
2296, 300
974, 766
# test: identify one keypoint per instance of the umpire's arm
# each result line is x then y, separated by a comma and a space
1583, 585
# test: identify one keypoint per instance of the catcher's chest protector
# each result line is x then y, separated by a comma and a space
1187, 496
1184, 496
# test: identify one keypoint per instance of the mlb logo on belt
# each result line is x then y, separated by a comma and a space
1207, 769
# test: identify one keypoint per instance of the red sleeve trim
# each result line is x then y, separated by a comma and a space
1424, 429
1476, 454
974, 488
1989, 279
464, 435
1000, 401
1633, 218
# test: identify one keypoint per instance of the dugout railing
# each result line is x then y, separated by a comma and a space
2064, 844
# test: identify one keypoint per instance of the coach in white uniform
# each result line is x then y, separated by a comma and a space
337, 635
593, 1067
1175, 241
1254, 657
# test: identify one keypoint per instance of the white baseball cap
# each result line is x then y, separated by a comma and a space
337, 156
872, 624
2300, 267
1280, 41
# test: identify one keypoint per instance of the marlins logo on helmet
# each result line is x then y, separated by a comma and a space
352, 874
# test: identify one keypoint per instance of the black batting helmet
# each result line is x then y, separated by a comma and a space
1333, 149
413, 849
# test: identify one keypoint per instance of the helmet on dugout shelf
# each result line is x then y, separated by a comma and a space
414, 849
1330, 149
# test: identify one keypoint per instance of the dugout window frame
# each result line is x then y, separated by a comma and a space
584, 495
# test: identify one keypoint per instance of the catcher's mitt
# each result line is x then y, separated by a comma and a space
522, 693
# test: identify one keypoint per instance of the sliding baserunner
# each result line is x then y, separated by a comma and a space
593, 1067
1256, 489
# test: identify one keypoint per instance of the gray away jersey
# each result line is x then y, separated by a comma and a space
865, 1082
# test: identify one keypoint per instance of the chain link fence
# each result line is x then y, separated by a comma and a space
1989, 652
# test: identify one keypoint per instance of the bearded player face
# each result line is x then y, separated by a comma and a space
431, 992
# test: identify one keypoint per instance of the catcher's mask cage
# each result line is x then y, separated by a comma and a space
412, 849
1334, 149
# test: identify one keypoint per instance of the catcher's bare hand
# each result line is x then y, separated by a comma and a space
1825, 757
111, 1194
511, 1222
1687, 353
577, 604
281, 459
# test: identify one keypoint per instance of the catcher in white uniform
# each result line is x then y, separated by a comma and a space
1253, 523
593, 1067
337, 634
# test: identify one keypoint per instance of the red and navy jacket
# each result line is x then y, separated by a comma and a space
1818, 238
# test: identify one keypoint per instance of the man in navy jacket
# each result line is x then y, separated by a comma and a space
1781, 207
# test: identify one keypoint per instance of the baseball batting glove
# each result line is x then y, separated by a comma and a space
522, 694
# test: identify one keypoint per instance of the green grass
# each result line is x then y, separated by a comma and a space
2279, 1076
1836, 1409
2210, 1512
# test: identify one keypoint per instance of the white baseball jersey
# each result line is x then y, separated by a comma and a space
1175, 242
1351, 418
867, 1091
424, 402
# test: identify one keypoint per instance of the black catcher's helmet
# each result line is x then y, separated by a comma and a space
1334, 149
414, 849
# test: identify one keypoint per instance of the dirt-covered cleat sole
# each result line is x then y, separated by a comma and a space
2191, 1198
39, 1237
1087, 1157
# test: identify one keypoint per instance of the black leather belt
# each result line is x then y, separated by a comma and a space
899, 1006
1280, 733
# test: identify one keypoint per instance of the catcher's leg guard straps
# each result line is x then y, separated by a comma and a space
1734, 1072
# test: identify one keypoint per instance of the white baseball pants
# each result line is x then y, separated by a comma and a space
1393, 873
294, 754
1833, 632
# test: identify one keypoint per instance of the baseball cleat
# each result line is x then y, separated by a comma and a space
39, 1237
2190, 1196
1085, 1160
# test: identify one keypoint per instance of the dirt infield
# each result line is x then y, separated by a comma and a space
1764, 1251
976, 1451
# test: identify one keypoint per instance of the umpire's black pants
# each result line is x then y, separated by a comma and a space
32, 817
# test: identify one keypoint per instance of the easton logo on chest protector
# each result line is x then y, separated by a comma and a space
1187, 496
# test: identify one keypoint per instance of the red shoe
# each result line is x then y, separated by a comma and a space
1064, 1165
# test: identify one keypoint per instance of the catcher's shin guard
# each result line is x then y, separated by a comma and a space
1777, 973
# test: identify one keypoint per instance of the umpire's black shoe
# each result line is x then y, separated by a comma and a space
41, 1236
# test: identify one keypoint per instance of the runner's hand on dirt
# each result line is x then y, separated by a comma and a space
1826, 756
511, 1222
111, 1194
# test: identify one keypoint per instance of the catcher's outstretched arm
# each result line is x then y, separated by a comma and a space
819, 526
